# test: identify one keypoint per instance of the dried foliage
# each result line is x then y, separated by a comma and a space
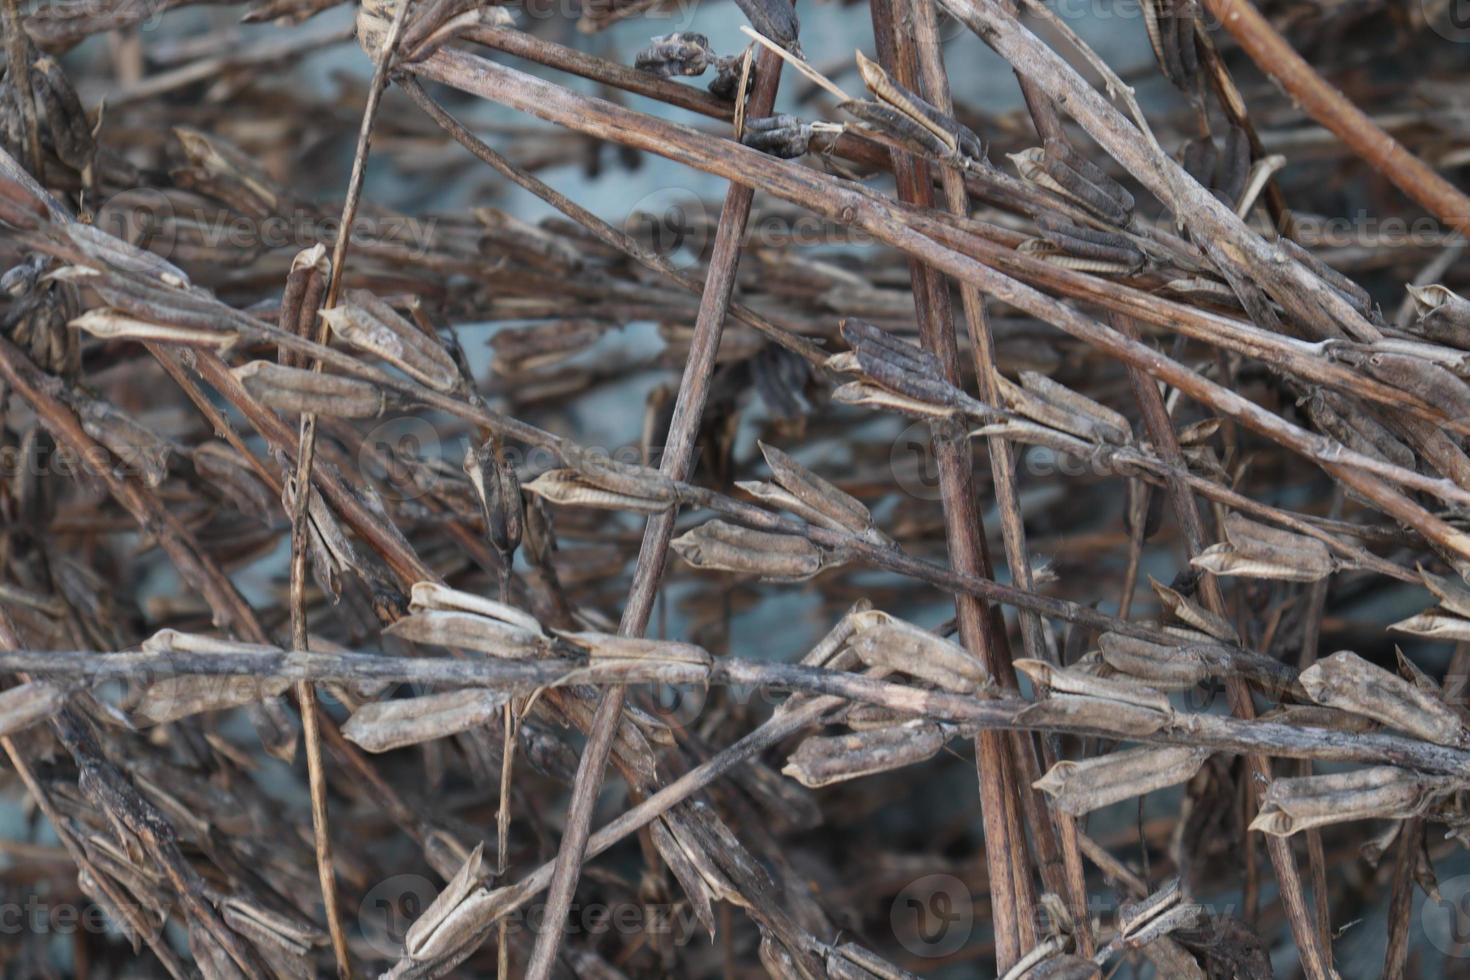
332, 642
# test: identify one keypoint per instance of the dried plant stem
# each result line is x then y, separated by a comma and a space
849, 204
18, 61
1009, 879
302, 490
1221, 733
1316, 961
605, 232
1055, 838
676, 462
1324, 103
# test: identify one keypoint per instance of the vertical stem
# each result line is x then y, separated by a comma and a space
302, 488
676, 462
1160, 430
1005, 845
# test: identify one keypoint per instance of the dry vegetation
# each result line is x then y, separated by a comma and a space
290, 687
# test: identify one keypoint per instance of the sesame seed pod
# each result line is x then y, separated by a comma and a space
570, 488
1442, 315
899, 126
425, 596
442, 627
884, 641
382, 726
71, 133
1152, 661
1188, 611
1112, 426
1350, 683
1071, 711
368, 324
288, 389
1074, 682
111, 325
728, 547
1435, 624
1081, 787
824, 760
1380, 792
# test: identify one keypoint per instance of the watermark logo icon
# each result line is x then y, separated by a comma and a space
933, 916
671, 222
913, 463
1450, 19
390, 907
397, 455
1446, 921
142, 216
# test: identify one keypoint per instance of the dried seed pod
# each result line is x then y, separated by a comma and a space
783, 136
332, 552
112, 325
109, 252
1435, 624
224, 171
26, 704
1152, 661
369, 324
731, 548
821, 500
464, 630
1380, 792
426, 596
446, 916
1103, 715
522, 349
696, 889
881, 640
385, 725
1037, 166
1158, 915
1347, 681
1451, 593
137, 447
569, 488
499, 490
1040, 398
71, 133
302, 391
1188, 611
898, 126
868, 961
1090, 243
667, 55
1423, 379
1442, 315
1233, 167
959, 140
1170, 28
773, 19
907, 371
1070, 681
173, 698
225, 470
1259, 551
266, 925
610, 646
824, 760
691, 843
728, 72
1081, 787
1355, 427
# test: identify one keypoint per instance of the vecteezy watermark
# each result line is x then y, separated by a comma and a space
933, 916
1450, 19
1446, 920
38, 916
672, 223
912, 461
391, 906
